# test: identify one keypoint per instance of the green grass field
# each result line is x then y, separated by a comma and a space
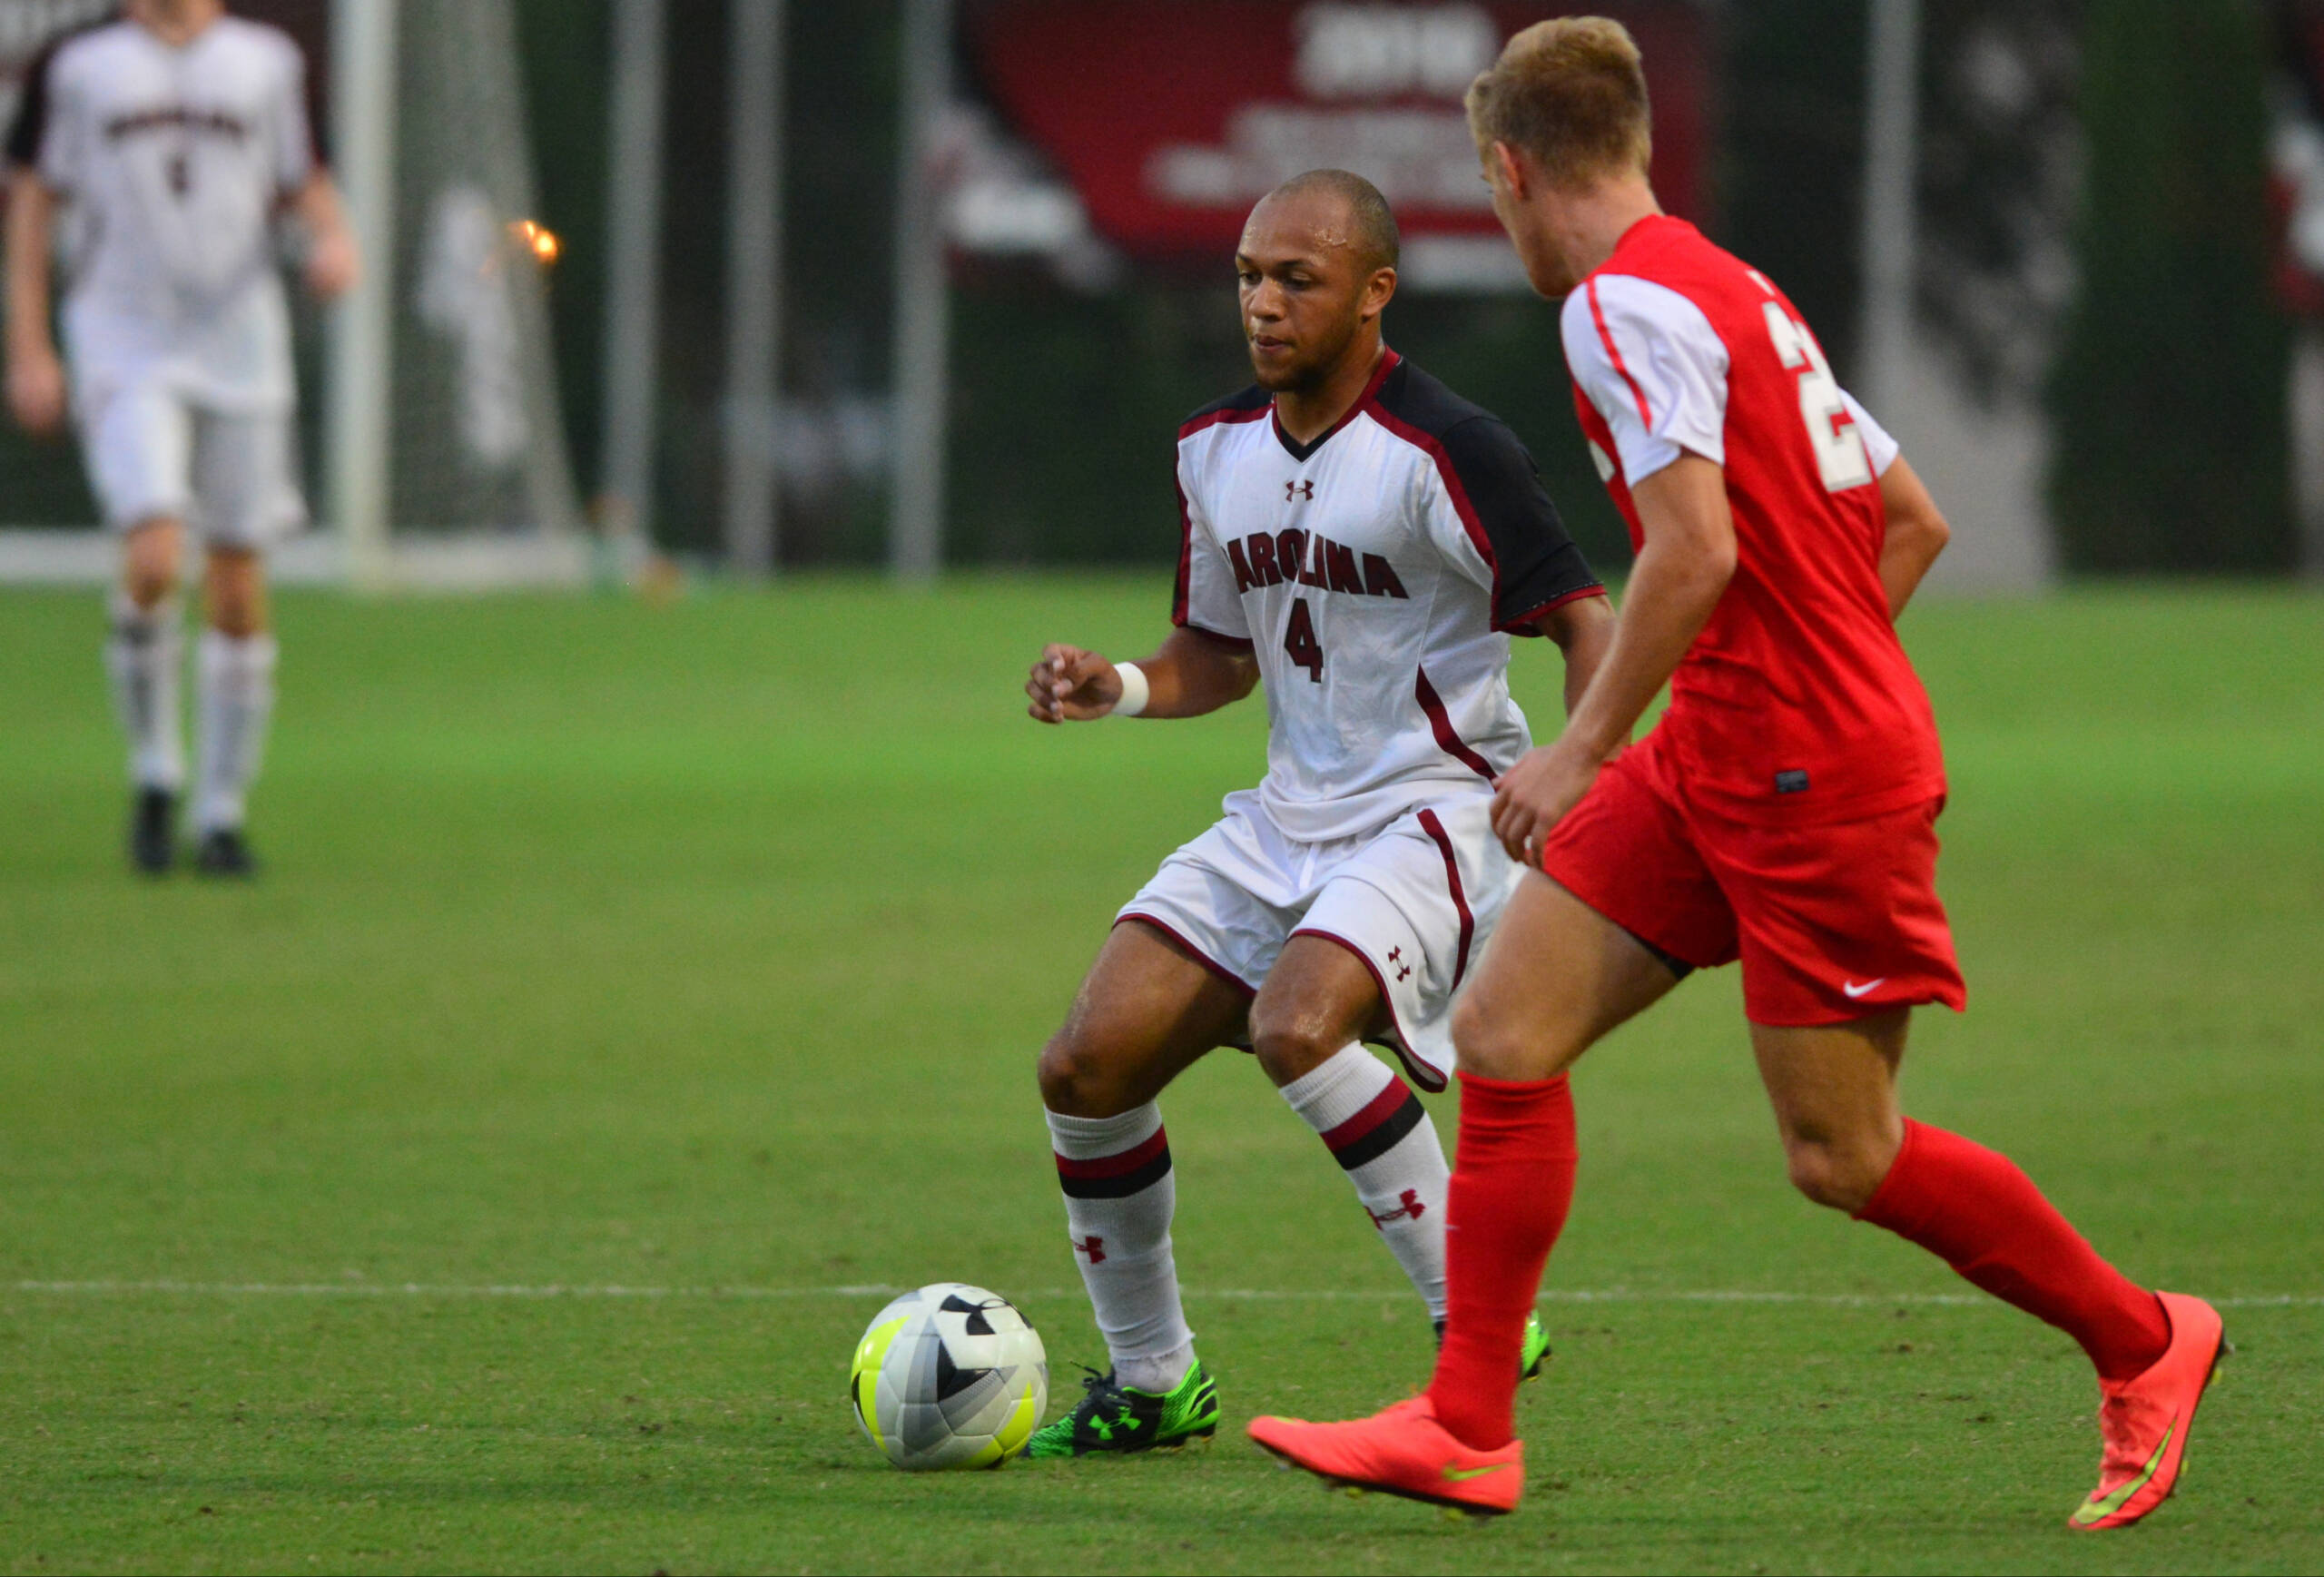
704, 952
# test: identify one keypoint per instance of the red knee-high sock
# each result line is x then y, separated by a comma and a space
1974, 1209
1513, 1182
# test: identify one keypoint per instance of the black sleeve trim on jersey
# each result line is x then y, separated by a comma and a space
1498, 489
31, 124
1247, 405
1243, 405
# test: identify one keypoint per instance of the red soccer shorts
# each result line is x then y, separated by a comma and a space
1833, 922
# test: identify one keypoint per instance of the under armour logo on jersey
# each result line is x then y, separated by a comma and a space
1093, 1245
1396, 957
1301, 490
1408, 1206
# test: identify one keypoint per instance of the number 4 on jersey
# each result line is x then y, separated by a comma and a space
1839, 448
1299, 641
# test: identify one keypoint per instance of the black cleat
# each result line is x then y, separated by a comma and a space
225, 852
154, 831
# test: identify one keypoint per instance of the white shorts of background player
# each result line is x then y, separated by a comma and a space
152, 453
1414, 901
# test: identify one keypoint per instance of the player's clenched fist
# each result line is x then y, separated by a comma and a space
36, 390
1071, 686
332, 263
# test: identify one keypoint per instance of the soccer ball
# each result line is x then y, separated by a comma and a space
950, 1376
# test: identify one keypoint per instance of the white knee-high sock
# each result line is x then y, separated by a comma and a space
1119, 1196
144, 655
1377, 1129
237, 699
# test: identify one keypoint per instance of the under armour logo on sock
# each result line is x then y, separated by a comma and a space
1093, 1245
1408, 1208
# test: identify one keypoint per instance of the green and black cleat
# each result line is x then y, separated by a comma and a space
1530, 1356
1113, 1417
1535, 1351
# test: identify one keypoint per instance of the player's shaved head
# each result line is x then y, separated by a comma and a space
1317, 263
1367, 225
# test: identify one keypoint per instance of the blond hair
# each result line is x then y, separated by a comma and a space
1571, 92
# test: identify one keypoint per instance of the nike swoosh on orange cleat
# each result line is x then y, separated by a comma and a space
2096, 1510
2146, 1420
1404, 1452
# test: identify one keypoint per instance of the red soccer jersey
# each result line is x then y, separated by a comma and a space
1797, 701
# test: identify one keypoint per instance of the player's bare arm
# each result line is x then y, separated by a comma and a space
1191, 674
1916, 534
36, 387
1681, 574
333, 262
1584, 633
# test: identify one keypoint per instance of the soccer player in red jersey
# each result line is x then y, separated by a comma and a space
1783, 812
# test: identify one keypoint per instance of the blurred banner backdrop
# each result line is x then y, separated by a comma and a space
2101, 378
1236, 96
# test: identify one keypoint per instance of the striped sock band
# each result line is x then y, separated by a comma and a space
1378, 1131
1119, 1196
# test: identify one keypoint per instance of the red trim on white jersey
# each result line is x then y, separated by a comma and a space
1440, 721
1185, 560
1434, 828
1614, 354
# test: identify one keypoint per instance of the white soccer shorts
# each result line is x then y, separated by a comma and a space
1414, 903
229, 476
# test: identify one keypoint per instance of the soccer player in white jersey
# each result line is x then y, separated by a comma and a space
1365, 542
166, 142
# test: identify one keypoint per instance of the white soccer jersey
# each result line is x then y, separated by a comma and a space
1672, 371
1376, 572
172, 163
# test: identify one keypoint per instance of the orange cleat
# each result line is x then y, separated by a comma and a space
1403, 1450
2144, 1421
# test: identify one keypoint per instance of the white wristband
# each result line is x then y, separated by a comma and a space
1135, 691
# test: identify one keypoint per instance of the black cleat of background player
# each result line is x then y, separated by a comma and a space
154, 831
225, 852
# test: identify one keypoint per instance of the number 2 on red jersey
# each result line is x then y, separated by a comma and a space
1839, 448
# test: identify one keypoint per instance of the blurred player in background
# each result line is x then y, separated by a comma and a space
1364, 541
1784, 811
165, 144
